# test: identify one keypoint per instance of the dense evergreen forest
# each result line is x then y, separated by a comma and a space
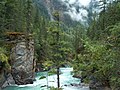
92, 49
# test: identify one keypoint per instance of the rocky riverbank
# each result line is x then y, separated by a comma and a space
93, 83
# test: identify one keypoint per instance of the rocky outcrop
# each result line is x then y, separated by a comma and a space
96, 85
21, 59
51, 6
9, 81
2, 78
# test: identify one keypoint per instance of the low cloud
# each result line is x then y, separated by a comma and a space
75, 9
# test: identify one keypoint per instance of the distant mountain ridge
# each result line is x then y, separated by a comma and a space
47, 7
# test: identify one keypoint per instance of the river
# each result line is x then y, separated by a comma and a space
65, 80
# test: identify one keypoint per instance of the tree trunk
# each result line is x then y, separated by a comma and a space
58, 78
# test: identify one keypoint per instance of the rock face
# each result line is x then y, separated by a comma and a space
50, 6
96, 85
2, 79
9, 81
22, 61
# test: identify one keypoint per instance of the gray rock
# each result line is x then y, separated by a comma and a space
20, 52
2, 78
23, 62
9, 81
28, 81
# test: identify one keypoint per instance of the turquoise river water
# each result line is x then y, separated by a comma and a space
65, 80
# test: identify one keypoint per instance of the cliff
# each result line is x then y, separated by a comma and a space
21, 60
48, 7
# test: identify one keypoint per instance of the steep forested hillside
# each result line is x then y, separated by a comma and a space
91, 48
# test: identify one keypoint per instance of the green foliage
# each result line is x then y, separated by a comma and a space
53, 88
53, 71
100, 57
108, 16
99, 62
95, 52
47, 64
3, 57
42, 77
